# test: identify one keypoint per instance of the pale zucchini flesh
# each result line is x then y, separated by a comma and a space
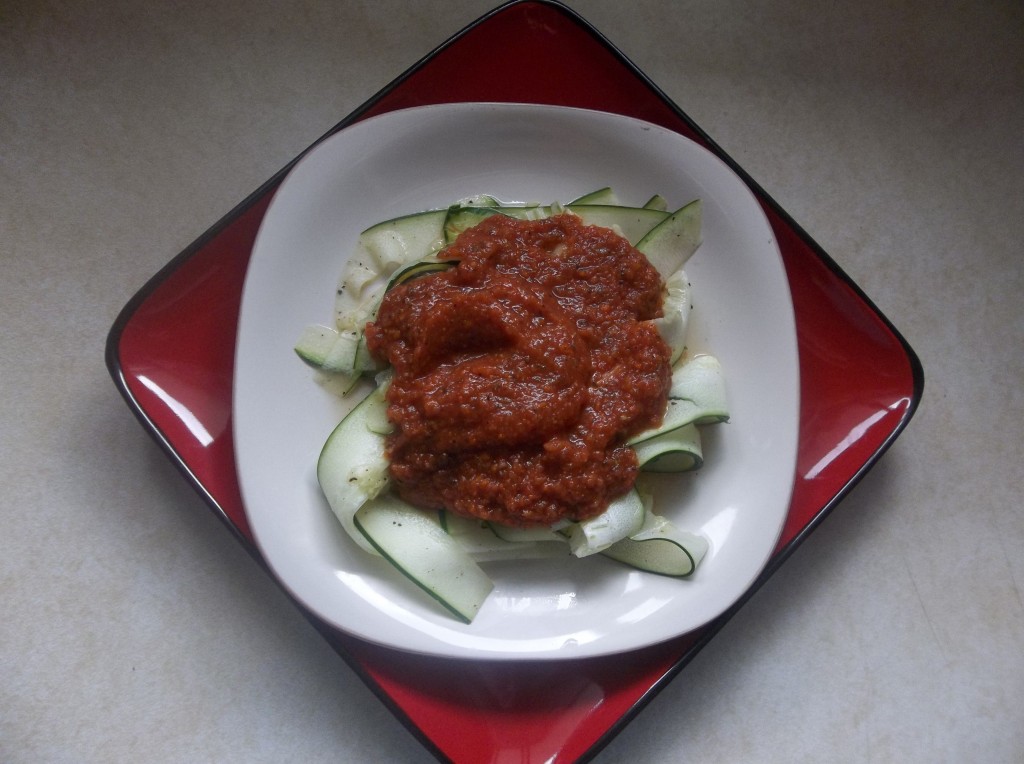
328, 349
604, 195
657, 202
526, 535
486, 542
623, 518
675, 321
396, 242
660, 548
417, 546
632, 223
672, 242
677, 450
697, 396
353, 468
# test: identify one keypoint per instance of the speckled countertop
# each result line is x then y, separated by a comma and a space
134, 628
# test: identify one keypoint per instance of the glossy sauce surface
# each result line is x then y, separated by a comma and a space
520, 372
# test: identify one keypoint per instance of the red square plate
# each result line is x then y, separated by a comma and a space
171, 352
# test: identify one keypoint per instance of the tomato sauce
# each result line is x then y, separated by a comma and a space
520, 373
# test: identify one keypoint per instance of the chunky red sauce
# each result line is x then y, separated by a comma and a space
519, 374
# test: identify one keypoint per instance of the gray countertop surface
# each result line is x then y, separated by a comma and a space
133, 627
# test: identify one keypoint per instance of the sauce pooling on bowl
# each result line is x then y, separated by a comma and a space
520, 372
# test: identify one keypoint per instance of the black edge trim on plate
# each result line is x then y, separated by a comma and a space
708, 631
